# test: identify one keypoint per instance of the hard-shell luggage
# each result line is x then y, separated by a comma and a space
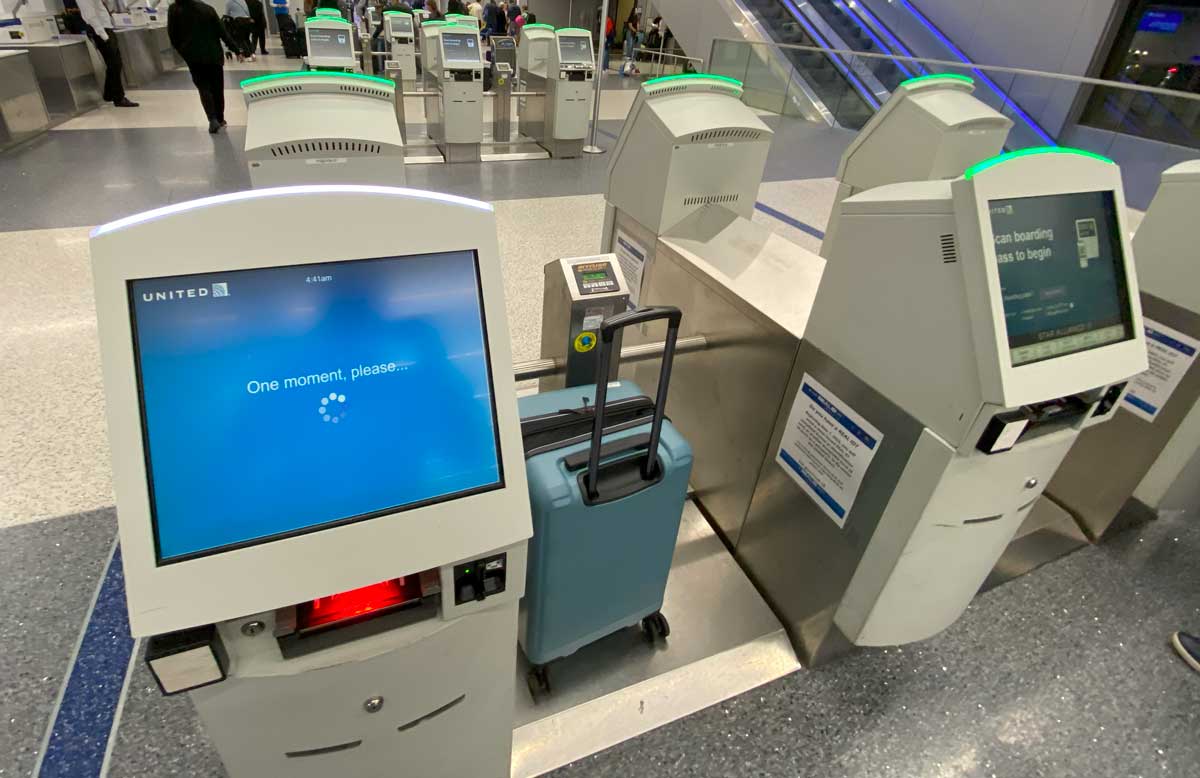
294, 45
605, 513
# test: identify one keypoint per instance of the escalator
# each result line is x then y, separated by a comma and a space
844, 87
852, 88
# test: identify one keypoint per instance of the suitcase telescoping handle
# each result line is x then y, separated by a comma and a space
608, 329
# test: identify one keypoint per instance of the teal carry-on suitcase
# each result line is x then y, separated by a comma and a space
606, 511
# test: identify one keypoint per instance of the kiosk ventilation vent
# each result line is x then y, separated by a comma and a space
949, 248
726, 134
365, 90
273, 91
310, 147
710, 199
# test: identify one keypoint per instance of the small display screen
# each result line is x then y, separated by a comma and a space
329, 43
279, 401
401, 24
503, 43
460, 47
575, 48
595, 276
1062, 274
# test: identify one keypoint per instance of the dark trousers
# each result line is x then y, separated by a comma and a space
210, 83
259, 40
114, 90
242, 31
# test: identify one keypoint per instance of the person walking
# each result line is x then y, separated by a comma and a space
196, 32
259, 18
241, 26
101, 30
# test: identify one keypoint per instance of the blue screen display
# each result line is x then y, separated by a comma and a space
1062, 274
282, 400
1160, 21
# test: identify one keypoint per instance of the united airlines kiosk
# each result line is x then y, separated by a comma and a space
402, 56
314, 127
456, 125
1147, 459
321, 487
571, 68
931, 127
917, 434
330, 43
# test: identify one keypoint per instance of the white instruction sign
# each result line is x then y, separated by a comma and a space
1170, 353
827, 448
632, 257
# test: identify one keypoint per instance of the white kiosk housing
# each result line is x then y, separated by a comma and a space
430, 56
1157, 434
533, 75
330, 43
314, 127
936, 393
456, 122
567, 105
322, 502
931, 127
401, 35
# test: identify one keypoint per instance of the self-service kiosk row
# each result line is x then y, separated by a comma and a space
560, 67
344, 601
840, 457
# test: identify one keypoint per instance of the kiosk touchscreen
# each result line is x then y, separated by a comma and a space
931, 127
315, 127
913, 444
458, 130
330, 43
1158, 427
403, 52
323, 510
568, 93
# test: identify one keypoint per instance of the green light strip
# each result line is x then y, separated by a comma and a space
396, 13
976, 169
538, 26
694, 76
316, 74
337, 19
937, 77
434, 23
328, 12
574, 29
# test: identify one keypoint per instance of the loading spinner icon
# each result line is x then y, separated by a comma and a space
332, 408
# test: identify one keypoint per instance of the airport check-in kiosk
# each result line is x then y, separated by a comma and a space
402, 56
1146, 459
682, 184
570, 69
430, 57
330, 44
936, 393
322, 504
931, 127
456, 124
314, 127
533, 73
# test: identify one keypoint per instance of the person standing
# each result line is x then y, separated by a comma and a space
456, 7
493, 18
196, 32
259, 19
476, 10
101, 30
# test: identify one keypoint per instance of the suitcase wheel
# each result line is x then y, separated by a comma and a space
656, 627
539, 682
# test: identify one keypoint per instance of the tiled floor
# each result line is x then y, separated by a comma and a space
1064, 672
